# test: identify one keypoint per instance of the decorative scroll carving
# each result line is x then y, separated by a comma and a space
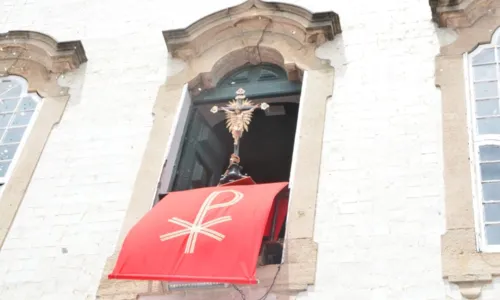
458, 13
470, 286
295, 23
22, 48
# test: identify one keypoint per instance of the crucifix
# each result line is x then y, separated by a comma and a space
238, 117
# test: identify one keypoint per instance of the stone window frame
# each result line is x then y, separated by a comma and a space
40, 60
477, 140
462, 263
39, 102
252, 32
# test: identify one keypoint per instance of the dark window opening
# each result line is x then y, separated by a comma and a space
266, 150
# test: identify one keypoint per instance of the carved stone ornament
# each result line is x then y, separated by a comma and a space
297, 24
470, 286
20, 48
458, 13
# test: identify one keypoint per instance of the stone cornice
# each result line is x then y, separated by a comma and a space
56, 57
252, 16
458, 13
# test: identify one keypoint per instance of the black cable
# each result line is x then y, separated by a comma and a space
272, 284
239, 291
264, 297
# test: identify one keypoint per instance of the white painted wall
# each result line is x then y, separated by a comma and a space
380, 212
380, 208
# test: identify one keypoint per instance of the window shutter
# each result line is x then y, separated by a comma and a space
175, 141
201, 157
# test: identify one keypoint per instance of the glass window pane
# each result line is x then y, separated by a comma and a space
488, 126
487, 89
7, 105
28, 103
487, 107
485, 56
491, 191
489, 153
22, 118
4, 166
4, 120
490, 171
492, 234
484, 72
9, 89
13, 135
492, 212
7, 151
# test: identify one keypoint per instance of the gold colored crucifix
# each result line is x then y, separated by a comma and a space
238, 116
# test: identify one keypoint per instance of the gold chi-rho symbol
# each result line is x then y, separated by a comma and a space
199, 226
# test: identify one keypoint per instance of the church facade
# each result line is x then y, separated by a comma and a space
383, 118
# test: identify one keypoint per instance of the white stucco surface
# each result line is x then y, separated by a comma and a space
380, 207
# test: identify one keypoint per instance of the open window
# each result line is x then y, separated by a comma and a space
200, 144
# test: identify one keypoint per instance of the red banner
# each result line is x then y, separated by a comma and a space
203, 235
280, 208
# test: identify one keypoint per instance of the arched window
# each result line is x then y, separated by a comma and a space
203, 156
484, 115
18, 109
259, 81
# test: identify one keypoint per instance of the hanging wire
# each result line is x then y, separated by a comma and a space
239, 291
264, 297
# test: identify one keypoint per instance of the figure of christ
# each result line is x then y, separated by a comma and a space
238, 116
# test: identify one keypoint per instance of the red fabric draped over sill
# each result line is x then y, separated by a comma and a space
280, 205
202, 235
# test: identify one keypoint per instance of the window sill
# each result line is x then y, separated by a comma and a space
460, 256
489, 249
